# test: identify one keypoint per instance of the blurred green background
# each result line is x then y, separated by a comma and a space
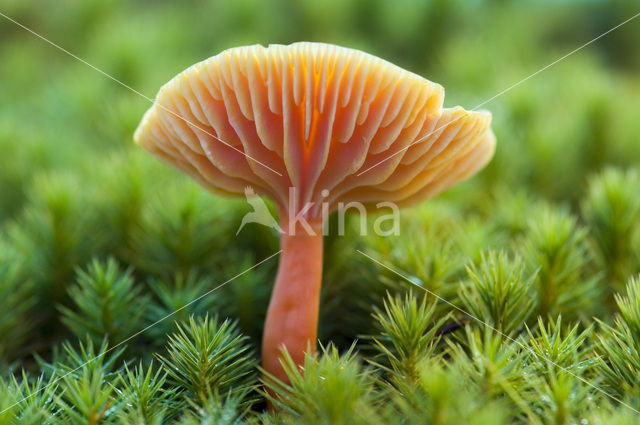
73, 186
553, 130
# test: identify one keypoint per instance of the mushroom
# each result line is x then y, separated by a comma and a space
311, 125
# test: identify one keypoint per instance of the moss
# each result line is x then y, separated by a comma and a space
100, 244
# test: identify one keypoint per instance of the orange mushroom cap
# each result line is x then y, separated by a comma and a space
314, 117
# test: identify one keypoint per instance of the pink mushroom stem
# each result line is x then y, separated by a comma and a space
292, 316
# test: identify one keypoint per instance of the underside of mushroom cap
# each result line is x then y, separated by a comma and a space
314, 117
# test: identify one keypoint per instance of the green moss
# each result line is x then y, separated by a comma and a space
100, 243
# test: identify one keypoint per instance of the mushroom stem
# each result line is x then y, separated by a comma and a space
292, 316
